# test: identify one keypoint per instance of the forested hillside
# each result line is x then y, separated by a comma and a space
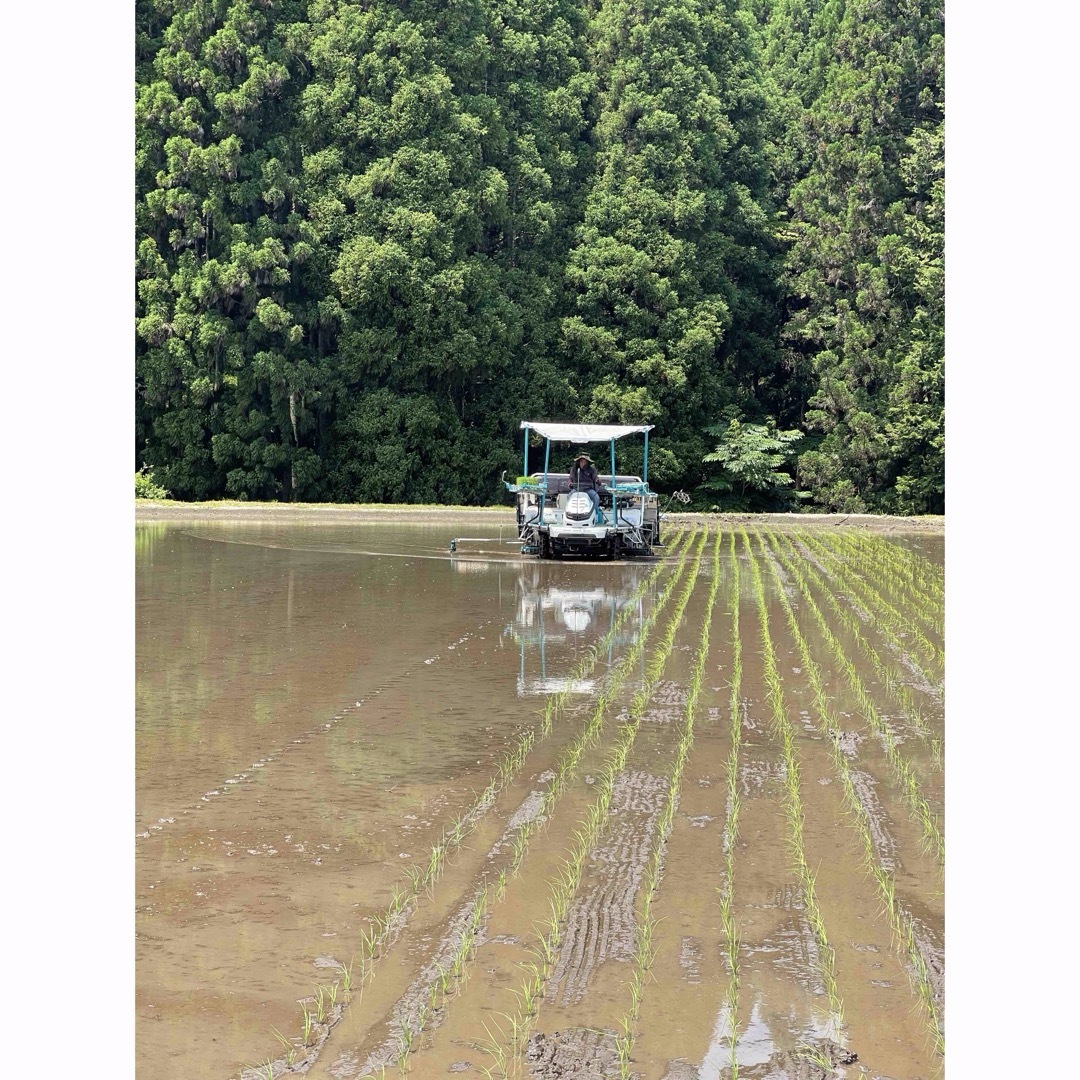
371, 238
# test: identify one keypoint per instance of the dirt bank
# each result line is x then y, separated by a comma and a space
318, 513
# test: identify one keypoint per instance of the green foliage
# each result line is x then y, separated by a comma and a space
371, 238
860, 87
670, 276
146, 487
752, 458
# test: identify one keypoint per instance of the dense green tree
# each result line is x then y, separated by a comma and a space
673, 283
864, 269
226, 379
442, 140
754, 462
372, 237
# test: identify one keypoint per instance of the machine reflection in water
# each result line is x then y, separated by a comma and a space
554, 622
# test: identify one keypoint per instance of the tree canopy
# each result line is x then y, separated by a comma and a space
371, 238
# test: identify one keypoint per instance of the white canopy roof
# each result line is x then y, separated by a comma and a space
581, 433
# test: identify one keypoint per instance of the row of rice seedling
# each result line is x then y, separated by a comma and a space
894, 625
906, 777
872, 567
890, 578
643, 953
568, 761
825, 958
375, 940
446, 983
507, 1059
731, 822
566, 766
894, 685
926, 578
917, 620
900, 921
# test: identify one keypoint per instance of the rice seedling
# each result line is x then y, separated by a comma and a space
368, 945
895, 687
624, 1042
900, 923
916, 583
494, 1048
415, 877
726, 891
585, 837
375, 937
908, 782
409, 1029
308, 1021
815, 1056
793, 804
899, 630
644, 953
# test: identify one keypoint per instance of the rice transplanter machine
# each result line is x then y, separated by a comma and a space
553, 520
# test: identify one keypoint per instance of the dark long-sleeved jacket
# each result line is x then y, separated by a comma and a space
583, 478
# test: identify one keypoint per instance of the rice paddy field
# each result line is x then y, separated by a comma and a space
405, 814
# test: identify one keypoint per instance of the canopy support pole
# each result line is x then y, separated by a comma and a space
543, 497
645, 467
612, 463
525, 457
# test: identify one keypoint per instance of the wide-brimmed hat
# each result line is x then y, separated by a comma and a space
581, 454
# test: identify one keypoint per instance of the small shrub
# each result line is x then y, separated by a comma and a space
146, 487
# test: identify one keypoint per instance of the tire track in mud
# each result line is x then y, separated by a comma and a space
392, 925
823, 956
235, 782
562, 892
905, 931
601, 924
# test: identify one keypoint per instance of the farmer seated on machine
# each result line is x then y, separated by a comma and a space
583, 477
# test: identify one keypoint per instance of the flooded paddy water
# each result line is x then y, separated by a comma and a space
406, 813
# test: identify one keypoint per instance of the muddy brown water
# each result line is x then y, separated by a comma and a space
316, 703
